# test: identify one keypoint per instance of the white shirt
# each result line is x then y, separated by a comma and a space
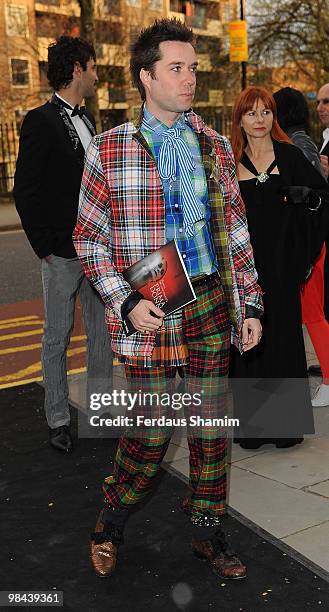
325, 136
80, 126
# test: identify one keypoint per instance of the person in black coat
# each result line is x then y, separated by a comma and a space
286, 204
323, 112
293, 117
49, 169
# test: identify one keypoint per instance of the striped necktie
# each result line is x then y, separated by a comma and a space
174, 151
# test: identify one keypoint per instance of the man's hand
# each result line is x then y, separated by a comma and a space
48, 258
325, 164
251, 333
143, 320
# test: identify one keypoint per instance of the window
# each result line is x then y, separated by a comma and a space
155, 5
134, 33
212, 10
211, 46
134, 2
198, 15
115, 79
108, 32
112, 7
20, 72
50, 25
206, 44
16, 20
177, 6
182, 6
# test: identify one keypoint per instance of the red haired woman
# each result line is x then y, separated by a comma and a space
283, 195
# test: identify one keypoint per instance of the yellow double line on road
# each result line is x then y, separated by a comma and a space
18, 321
18, 378
31, 347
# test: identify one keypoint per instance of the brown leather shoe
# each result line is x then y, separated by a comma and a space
104, 548
224, 563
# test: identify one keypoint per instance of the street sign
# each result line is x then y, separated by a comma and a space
238, 41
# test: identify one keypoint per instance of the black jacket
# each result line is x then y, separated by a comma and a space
310, 227
303, 141
47, 181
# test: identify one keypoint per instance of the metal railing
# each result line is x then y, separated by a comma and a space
9, 142
219, 119
8, 154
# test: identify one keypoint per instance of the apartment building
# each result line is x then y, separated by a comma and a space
27, 27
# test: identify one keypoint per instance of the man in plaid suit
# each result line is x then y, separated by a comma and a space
169, 176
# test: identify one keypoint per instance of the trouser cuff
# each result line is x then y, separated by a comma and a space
206, 520
115, 517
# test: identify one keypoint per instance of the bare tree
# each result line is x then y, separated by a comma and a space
87, 32
292, 31
19, 63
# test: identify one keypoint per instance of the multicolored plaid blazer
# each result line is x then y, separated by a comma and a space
122, 219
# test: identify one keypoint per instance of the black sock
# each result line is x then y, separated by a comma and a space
204, 533
115, 517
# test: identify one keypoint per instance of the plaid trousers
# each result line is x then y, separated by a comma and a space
206, 329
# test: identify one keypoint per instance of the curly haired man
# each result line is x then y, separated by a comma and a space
53, 141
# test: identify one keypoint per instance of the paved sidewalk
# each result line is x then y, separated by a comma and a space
283, 492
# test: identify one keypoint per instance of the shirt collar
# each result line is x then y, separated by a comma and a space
325, 134
68, 106
160, 127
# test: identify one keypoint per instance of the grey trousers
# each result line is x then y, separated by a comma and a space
63, 280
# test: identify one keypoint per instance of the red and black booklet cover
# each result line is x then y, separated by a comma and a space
161, 278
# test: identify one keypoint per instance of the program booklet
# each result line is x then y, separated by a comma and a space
161, 278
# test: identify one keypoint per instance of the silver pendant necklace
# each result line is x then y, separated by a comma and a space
262, 177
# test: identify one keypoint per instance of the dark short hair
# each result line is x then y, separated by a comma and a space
292, 108
145, 50
62, 55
